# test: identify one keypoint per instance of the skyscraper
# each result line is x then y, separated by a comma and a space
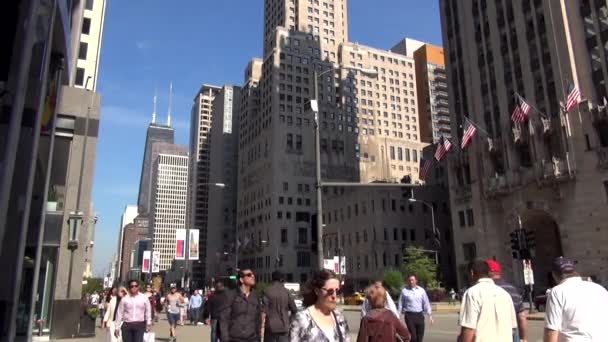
169, 198
547, 174
157, 133
200, 156
368, 126
433, 114
224, 133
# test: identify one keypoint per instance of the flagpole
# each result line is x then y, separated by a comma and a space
477, 126
532, 106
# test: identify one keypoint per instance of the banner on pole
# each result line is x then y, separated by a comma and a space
180, 244
335, 265
528, 272
155, 261
193, 245
145, 265
105, 282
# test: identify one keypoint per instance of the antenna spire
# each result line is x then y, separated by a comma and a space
155, 102
170, 103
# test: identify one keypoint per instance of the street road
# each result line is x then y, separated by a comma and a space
445, 329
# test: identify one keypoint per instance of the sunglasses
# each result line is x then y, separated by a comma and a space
248, 275
133, 286
330, 292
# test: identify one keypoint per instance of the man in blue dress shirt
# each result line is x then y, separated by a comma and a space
414, 304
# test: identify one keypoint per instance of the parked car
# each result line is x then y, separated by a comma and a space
356, 298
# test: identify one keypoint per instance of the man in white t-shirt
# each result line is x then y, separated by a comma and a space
575, 308
487, 313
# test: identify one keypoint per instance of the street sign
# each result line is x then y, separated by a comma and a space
528, 272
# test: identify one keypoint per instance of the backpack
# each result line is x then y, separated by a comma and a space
378, 330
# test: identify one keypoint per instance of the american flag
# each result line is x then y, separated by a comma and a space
425, 166
520, 113
469, 132
573, 98
443, 146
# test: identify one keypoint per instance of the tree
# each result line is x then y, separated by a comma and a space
92, 285
416, 262
393, 280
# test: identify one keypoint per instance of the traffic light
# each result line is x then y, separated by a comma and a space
530, 239
514, 243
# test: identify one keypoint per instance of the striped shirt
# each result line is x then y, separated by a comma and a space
514, 292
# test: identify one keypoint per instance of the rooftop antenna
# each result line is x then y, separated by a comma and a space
155, 102
170, 100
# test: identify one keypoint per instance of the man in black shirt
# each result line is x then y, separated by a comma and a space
240, 316
214, 306
277, 306
518, 301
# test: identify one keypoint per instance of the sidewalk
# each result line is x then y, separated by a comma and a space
436, 307
161, 329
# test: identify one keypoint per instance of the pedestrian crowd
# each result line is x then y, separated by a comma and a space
491, 310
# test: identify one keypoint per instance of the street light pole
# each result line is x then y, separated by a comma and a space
318, 185
435, 231
314, 104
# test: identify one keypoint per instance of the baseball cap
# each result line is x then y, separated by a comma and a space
563, 265
493, 266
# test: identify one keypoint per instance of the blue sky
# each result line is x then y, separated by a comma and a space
147, 44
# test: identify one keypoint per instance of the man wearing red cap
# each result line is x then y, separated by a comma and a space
518, 302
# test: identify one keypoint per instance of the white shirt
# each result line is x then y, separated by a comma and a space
576, 309
94, 299
489, 310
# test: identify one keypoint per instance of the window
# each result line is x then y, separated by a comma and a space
283, 235
413, 235
289, 141
285, 186
303, 259
397, 259
385, 234
82, 50
470, 251
302, 236
89, 5
399, 153
461, 218
86, 26
392, 153
470, 217
395, 234
79, 77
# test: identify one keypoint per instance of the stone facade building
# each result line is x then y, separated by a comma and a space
550, 173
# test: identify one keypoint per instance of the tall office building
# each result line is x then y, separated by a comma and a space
223, 170
169, 198
369, 127
548, 175
200, 156
127, 217
48, 138
157, 133
89, 47
432, 88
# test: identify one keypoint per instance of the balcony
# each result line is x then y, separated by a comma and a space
441, 94
441, 85
462, 193
497, 186
443, 119
443, 110
555, 171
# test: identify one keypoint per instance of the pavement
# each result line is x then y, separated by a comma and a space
444, 329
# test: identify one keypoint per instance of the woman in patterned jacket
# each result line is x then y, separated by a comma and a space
320, 321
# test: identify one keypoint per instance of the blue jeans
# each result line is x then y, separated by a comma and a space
215, 331
515, 335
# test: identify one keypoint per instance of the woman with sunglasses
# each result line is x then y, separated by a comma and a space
109, 319
320, 321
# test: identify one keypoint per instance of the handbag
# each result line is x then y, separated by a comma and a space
149, 337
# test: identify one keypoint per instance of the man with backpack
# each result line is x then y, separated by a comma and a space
277, 306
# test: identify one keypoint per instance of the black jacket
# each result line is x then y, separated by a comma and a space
277, 305
240, 317
214, 304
